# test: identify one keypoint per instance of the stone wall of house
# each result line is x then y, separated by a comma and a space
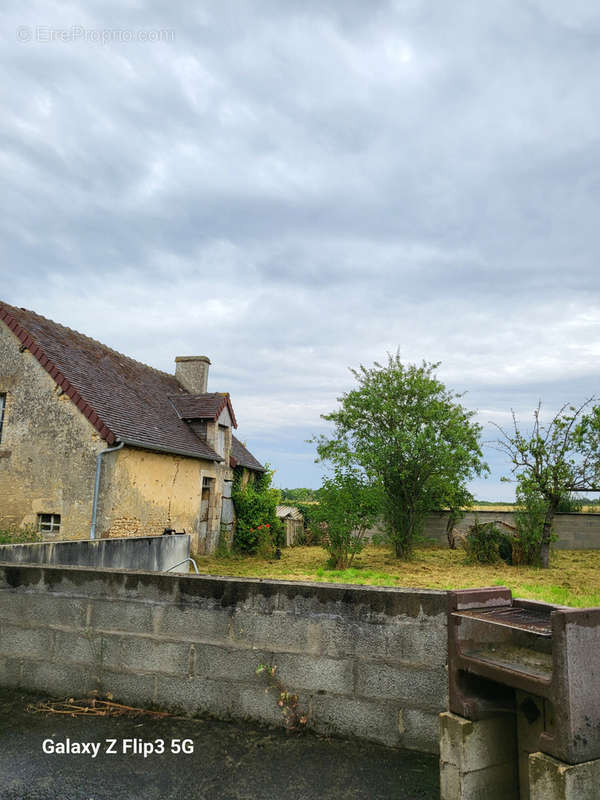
47, 451
144, 492
48, 464
366, 661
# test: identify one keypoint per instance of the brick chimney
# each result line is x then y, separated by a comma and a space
192, 373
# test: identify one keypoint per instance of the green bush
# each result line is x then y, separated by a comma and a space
255, 506
483, 542
348, 506
265, 547
529, 517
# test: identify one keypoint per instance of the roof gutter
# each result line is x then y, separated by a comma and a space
97, 485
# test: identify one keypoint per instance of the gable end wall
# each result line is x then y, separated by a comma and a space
48, 448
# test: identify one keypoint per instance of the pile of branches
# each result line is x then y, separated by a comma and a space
93, 706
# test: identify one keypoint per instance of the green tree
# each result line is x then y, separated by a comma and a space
555, 459
297, 495
411, 436
348, 506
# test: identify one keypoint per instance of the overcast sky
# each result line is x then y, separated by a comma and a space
293, 188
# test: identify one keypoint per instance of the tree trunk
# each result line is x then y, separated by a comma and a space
403, 541
547, 536
452, 518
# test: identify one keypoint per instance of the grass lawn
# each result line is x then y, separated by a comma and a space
573, 578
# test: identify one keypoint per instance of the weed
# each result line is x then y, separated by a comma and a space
294, 719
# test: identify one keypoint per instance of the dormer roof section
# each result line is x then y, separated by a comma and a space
207, 406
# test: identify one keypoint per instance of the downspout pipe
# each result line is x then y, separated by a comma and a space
97, 485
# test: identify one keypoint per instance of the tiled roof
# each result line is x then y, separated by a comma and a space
240, 457
203, 406
122, 398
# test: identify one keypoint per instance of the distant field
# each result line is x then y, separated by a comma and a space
492, 507
511, 507
483, 506
573, 578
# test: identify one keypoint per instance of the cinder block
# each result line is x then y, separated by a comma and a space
133, 653
260, 703
122, 615
138, 690
492, 783
550, 779
415, 685
32, 608
233, 664
423, 642
344, 638
10, 672
421, 730
262, 599
375, 721
18, 576
76, 648
278, 632
25, 642
315, 673
478, 760
192, 623
59, 680
473, 745
450, 782
499, 782
83, 583
196, 695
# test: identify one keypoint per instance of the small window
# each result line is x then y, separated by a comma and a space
2, 404
48, 523
221, 441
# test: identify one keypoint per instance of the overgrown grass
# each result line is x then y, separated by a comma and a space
573, 578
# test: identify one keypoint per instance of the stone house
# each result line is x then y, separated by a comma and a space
95, 444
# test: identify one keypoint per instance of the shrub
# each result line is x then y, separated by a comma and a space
482, 543
348, 506
529, 517
265, 544
255, 505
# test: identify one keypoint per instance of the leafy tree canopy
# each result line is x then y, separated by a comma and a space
555, 459
412, 436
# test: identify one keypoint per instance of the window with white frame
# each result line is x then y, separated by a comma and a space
48, 523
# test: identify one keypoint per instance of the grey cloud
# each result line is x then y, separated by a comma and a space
298, 188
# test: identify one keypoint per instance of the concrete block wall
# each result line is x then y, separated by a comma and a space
368, 662
574, 531
154, 553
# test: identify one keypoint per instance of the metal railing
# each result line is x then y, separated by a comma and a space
185, 560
